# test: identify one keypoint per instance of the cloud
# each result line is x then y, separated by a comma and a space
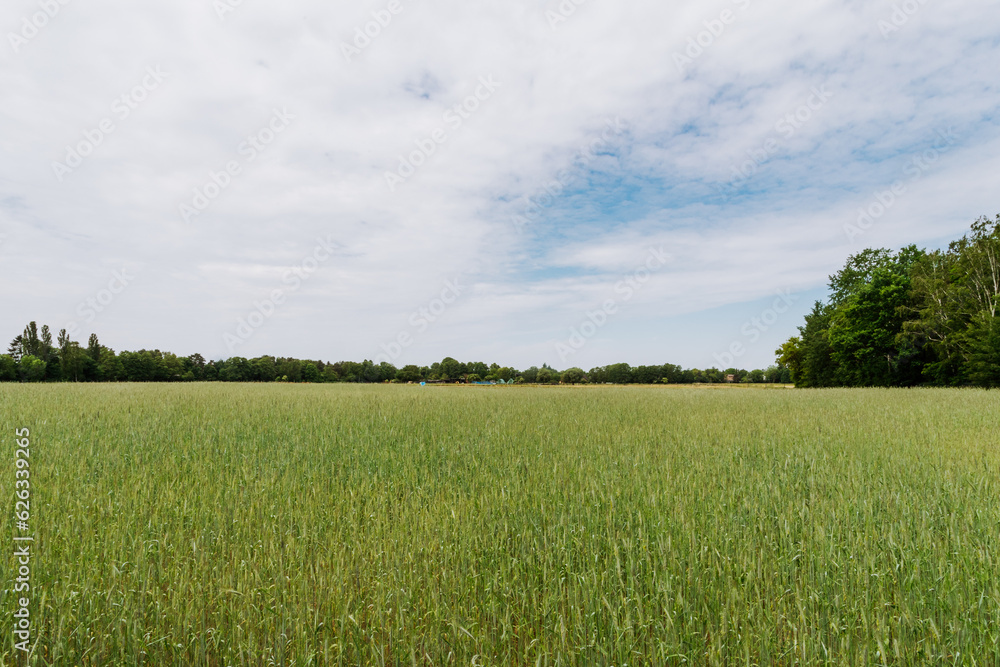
667, 180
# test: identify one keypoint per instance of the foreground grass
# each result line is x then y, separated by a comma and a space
294, 525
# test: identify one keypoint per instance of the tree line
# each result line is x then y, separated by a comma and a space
33, 357
907, 318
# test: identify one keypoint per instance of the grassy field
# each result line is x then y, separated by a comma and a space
400, 525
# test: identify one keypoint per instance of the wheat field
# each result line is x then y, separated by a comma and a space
193, 524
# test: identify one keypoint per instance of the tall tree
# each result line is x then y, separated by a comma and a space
16, 348
45, 349
30, 341
868, 320
94, 347
817, 367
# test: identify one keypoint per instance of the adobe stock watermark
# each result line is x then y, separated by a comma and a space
786, 127
31, 26
89, 308
535, 204
900, 16
626, 288
366, 34
293, 279
755, 327
562, 13
714, 29
453, 119
883, 200
23, 539
224, 7
122, 107
421, 319
218, 181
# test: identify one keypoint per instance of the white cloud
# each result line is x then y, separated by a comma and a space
324, 175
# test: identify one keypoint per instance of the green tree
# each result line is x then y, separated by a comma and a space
45, 349
16, 348
955, 295
237, 369
26, 343
330, 373
31, 368
8, 368
196, 364
817, 367
619, 374
573, 376
76, 363
983, 342
790, 356
867, 322
310, 373
291, 369
647, 374
386, 372
409, 373
94, 348
263, 369
452, 369
109, 366
146, 366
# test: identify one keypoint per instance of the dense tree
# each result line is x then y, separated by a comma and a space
8, 368
76, 364
27, 343
310, 373
69, 361
452, 369
982, 367
479, 368
409, 374
907, 318
330, 373
109, 367
31, 368
94, 348
236, 369
386, 372
869, 296
647, 374
263, 369
619, 374
817, 368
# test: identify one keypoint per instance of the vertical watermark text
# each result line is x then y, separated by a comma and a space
22, 539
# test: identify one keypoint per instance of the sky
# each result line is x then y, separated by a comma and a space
575, 182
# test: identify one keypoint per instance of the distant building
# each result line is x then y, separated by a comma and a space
730, 378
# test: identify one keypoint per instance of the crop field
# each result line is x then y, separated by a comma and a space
281, 524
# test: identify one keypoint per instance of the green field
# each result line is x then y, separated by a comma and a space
397, 525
